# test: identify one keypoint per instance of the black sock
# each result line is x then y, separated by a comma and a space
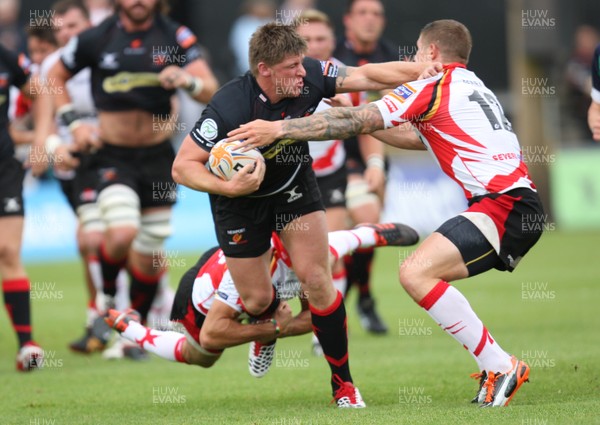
330, 328
17, 303
142, 290
110, 270
361, 268
270, 310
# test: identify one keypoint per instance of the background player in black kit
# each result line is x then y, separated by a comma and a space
138, 58
15, 283
281, 84
364, 22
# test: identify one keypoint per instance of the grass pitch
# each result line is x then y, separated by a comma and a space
543, 312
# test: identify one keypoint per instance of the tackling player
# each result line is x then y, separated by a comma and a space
462, 124
281, 193
209, 307
138, 57
14, 71
594, 111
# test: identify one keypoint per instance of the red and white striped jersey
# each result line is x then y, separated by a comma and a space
463, 126
328, 156
214, 282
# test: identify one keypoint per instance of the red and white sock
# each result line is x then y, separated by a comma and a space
165, 344
451, 310
343, 242
339, 280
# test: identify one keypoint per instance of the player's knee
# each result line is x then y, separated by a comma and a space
119, 207
409, 276
9, 253
358, 195
154, 229
91, 227
120, 239
315, 279
258, 303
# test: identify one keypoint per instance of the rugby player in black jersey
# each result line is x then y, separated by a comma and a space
138, 57
15, 283
281, 193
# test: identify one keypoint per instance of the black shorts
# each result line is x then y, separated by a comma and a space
244, 225
497, 230
83, 187
145, 170
183, 310
333, 188
11, 187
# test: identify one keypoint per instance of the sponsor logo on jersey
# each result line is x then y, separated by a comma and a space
209, 129
126, 81
329, 69
222, 295
310, 110
135, 48
11, 205
403, 92
237, 236
390, 105
185, 37
293, 195
108, 61
108, 174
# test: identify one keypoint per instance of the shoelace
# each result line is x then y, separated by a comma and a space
346, 389
489, 385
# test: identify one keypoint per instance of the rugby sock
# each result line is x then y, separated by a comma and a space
110, 270
330, 327
17, 303
339, 280
451, 310
361, 271
165, 344
343, 242
93, 276
142, 290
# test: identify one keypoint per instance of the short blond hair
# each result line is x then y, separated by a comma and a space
452, 38
272, 43
309, 16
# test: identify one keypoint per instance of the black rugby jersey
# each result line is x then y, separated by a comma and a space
384, 52
125, 65
242, 100
14, 71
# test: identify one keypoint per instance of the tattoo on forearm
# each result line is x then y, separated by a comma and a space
342, 74
335, 123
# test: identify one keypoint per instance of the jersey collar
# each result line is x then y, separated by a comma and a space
454, 65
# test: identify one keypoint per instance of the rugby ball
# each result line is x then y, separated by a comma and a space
224, 162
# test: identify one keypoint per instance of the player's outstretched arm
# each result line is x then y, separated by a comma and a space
403, 137
379, 76
221, 328
334, 123
594, 120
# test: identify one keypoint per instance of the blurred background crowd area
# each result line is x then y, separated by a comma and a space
558, 39
534, 54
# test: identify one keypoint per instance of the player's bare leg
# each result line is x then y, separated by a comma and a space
253, 282
305, 239
425, 276
16, 289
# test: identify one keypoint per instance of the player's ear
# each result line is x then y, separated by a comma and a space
264, 70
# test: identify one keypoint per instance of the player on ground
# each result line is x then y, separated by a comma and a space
211, 326
15, 283
138, 57
461, 123
594, 111
282, 84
